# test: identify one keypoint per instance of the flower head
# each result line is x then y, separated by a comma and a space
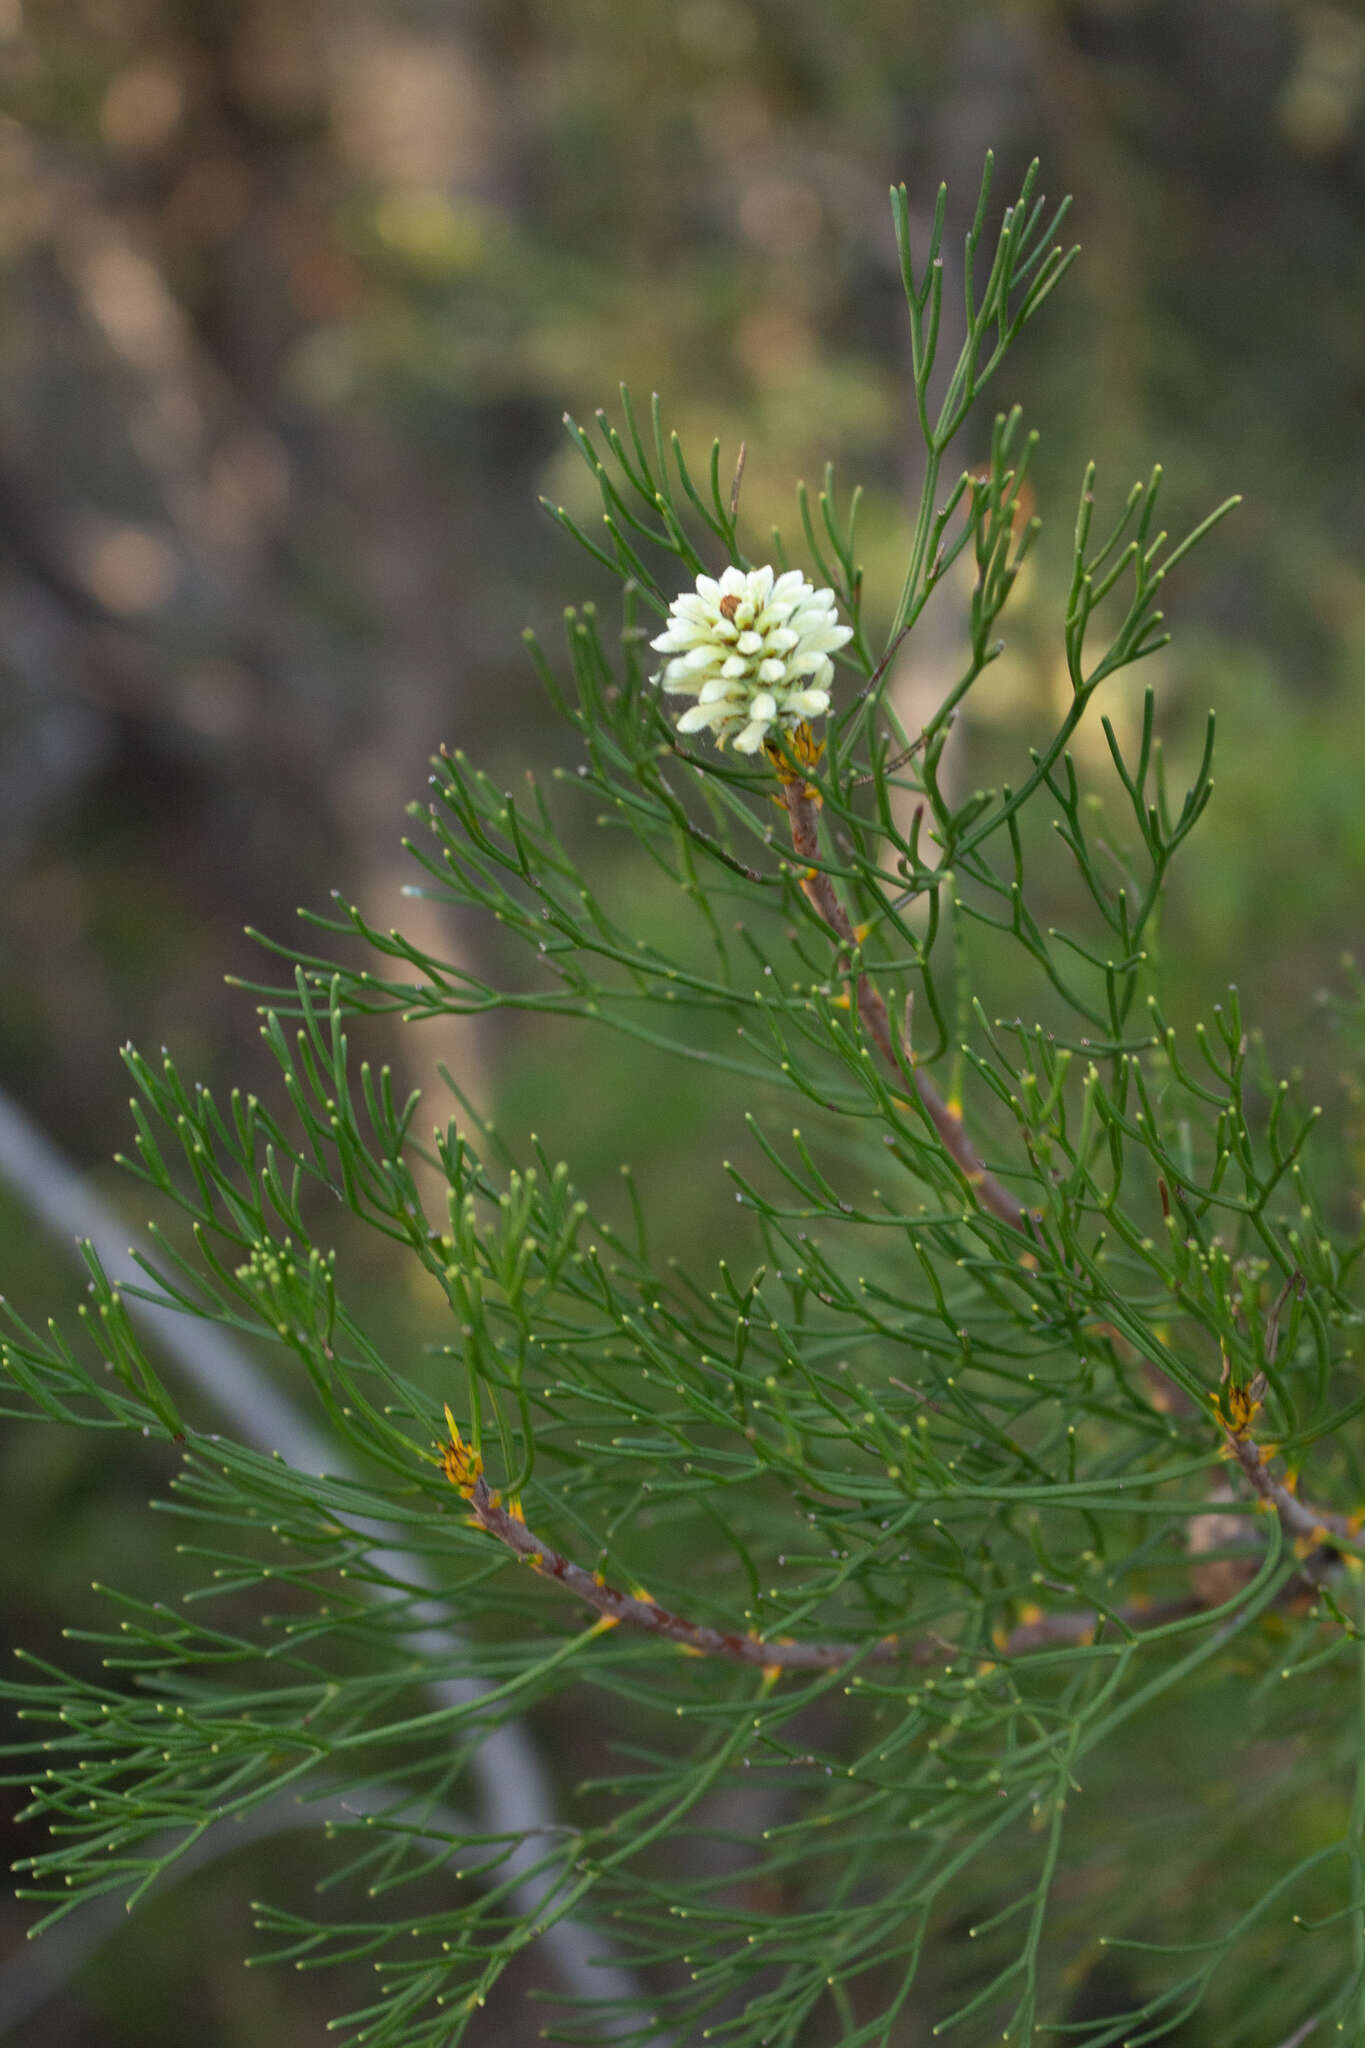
754, 650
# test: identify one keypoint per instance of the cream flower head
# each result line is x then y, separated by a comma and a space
754, 650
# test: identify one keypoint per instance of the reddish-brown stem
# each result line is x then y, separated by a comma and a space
1037, 1631
1299, 1519
803, 809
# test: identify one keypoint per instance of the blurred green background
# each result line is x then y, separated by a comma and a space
295, 297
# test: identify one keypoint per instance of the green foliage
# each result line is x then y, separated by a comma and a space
1002, 1309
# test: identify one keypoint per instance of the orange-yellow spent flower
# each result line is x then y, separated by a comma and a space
461, 1464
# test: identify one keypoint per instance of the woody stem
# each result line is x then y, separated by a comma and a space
804, 812
637, 1610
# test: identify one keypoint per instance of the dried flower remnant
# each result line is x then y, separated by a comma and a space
754, 650
461, 1464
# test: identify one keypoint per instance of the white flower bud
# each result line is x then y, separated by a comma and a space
754, 650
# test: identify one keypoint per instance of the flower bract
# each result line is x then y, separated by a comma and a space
754, 650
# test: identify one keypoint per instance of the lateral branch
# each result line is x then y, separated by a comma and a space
803, 809
1034, 1630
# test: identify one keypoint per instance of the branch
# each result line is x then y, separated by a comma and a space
1236, 1409
38, 1971
515, 1796
1035, 1629
803, 808
1301, 1520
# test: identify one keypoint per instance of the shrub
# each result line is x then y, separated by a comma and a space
993, 1663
